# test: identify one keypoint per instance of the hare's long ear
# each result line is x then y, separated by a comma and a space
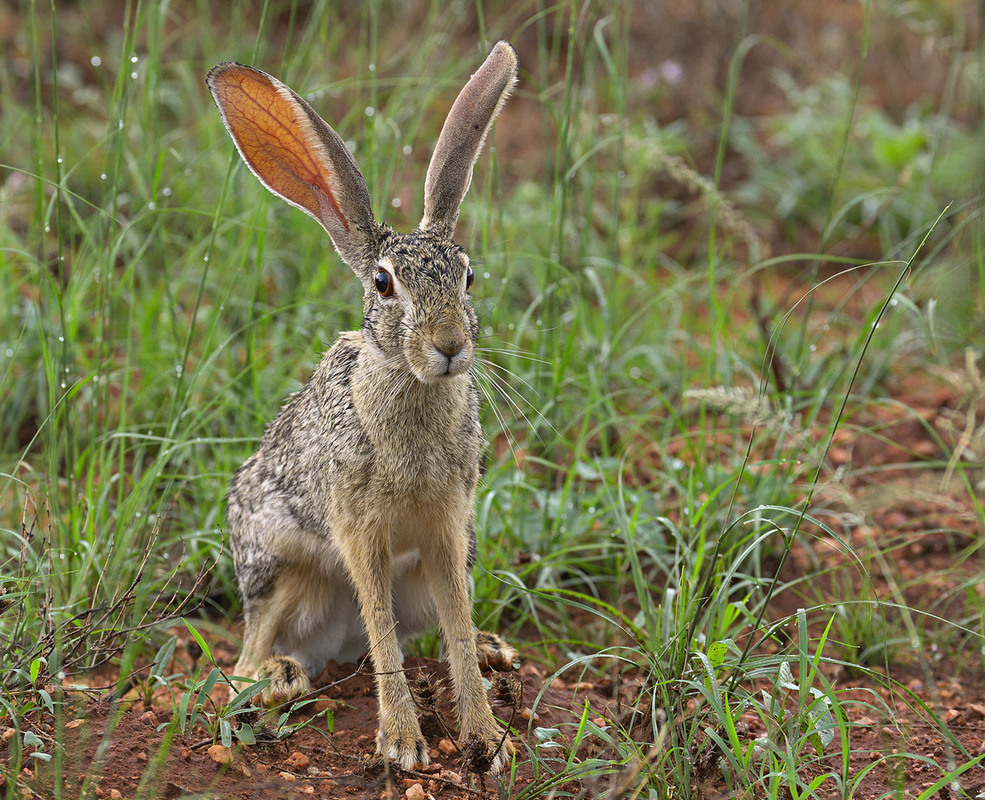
462, 137
297, 156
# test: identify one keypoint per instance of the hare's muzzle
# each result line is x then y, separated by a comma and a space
452, 349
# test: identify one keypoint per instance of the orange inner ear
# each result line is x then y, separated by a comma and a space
276, 140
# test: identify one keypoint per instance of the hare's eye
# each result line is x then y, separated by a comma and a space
469, 278
384, 283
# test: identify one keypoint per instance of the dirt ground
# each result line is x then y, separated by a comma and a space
334, 757
927, 521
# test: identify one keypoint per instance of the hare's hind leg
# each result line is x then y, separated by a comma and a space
494, 651
264, 617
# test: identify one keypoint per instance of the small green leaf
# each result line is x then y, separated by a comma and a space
198, 638
717, 653
208, 685
252, 690
183, 703
784, 678
163, 658
546, 734
245, 734
31, 740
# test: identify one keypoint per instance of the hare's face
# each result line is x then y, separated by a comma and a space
418, 308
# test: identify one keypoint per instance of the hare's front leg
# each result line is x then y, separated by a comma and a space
367, 557
448, 575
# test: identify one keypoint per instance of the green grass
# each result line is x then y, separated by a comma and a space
662, 391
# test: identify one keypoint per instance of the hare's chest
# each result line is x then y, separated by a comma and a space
424, 442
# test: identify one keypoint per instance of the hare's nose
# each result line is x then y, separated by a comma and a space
446, 351
449, 341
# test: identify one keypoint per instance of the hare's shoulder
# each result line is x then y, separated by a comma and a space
323, 405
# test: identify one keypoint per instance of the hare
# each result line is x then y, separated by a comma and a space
352, 525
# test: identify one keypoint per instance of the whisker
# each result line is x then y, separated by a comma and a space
512, 353
510, 374
511, 441
513, 397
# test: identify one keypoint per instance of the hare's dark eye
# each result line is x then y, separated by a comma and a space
384, 283
469, 278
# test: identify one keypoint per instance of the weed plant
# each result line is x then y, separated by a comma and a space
664, 375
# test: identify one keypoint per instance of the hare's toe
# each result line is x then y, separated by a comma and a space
406, 746
288, 680
495, 652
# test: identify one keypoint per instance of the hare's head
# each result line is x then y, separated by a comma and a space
415, 285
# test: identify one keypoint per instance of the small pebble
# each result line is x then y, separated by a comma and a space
220, 754
448, 747
415, 792
450, 776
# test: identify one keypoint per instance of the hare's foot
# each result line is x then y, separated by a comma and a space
494, 652
488, 749
400, 738
288, 680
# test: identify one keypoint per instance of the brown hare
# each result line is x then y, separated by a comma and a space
352, 525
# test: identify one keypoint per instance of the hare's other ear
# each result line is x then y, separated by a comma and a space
462, 137
297, 156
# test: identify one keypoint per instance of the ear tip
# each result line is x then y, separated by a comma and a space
224, 67
503, 49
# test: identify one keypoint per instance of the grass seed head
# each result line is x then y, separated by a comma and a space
426, 690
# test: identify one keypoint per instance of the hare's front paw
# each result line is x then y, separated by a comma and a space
400, 740
488, 751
